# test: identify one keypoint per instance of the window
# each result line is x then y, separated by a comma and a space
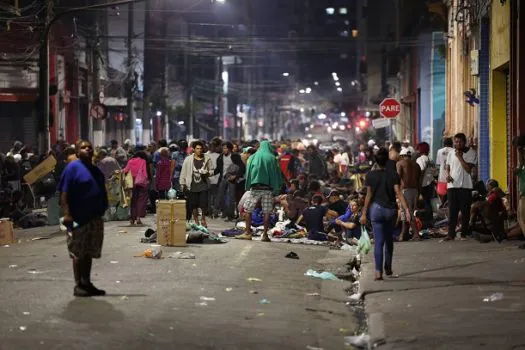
343, 11
330, 11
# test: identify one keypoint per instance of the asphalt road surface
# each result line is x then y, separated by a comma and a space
202, 303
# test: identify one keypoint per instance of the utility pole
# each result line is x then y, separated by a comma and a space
98, 134
44, 137
189, 85
217, 95
130, 122
146, 110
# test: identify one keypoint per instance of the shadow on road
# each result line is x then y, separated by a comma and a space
101, 313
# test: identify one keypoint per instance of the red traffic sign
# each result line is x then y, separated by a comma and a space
97, 112
390, 108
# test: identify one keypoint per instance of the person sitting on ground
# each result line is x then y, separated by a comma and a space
349, 222
336, 206
293, 205
313, 217
489, 216
314, 188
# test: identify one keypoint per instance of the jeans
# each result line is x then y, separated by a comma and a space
212, 199
459, 200
383, 228
226, 191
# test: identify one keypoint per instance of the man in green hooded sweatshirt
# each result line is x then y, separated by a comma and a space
263, 180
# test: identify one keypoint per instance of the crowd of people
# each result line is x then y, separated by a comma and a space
395, 192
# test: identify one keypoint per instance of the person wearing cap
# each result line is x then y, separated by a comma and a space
410, 175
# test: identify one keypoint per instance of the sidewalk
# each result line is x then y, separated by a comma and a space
437, 300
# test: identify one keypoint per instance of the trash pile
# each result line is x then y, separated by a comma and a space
195, 234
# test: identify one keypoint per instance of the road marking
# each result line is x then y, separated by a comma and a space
244, 253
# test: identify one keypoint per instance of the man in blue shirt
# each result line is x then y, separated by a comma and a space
84, 201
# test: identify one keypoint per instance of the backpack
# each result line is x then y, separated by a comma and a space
429, 174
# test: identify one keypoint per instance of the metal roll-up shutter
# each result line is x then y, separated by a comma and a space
18, 124
508, 113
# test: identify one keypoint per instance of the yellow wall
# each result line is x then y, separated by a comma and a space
499, 58
499, 34
498, 128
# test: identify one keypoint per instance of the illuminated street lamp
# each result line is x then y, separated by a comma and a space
301, 91
337, 83
308, 90
285, 74
340, 89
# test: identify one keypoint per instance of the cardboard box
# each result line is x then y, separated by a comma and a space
171, 223
7, 235
41, 170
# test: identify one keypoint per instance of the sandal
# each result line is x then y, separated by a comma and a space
244, 237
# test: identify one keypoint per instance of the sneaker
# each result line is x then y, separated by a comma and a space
81, 292
94, 290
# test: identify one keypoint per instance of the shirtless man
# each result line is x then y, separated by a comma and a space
410, 174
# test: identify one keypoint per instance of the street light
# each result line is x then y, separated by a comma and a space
159, 113
340, 89
343, 114
286, 74
301, 91
316, 83
337, 83
308, 90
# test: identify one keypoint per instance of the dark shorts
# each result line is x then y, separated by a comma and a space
86, 241
198, 200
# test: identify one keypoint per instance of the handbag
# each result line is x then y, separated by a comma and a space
128, 181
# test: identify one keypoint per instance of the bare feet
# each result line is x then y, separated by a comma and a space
265, 238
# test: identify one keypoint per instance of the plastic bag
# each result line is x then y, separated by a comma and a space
364, 242
172, 194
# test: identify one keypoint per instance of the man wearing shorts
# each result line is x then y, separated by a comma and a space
410, 174
84, 201
263, 180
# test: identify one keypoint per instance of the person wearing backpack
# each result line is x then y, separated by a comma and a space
428, 174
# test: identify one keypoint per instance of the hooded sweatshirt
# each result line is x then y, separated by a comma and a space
263, 168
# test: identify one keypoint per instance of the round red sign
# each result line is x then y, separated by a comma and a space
390, 108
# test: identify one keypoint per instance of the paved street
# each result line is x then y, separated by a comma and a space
155, 304
437, 301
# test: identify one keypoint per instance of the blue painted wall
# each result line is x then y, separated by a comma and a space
425, 79
484, 91
438, 95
